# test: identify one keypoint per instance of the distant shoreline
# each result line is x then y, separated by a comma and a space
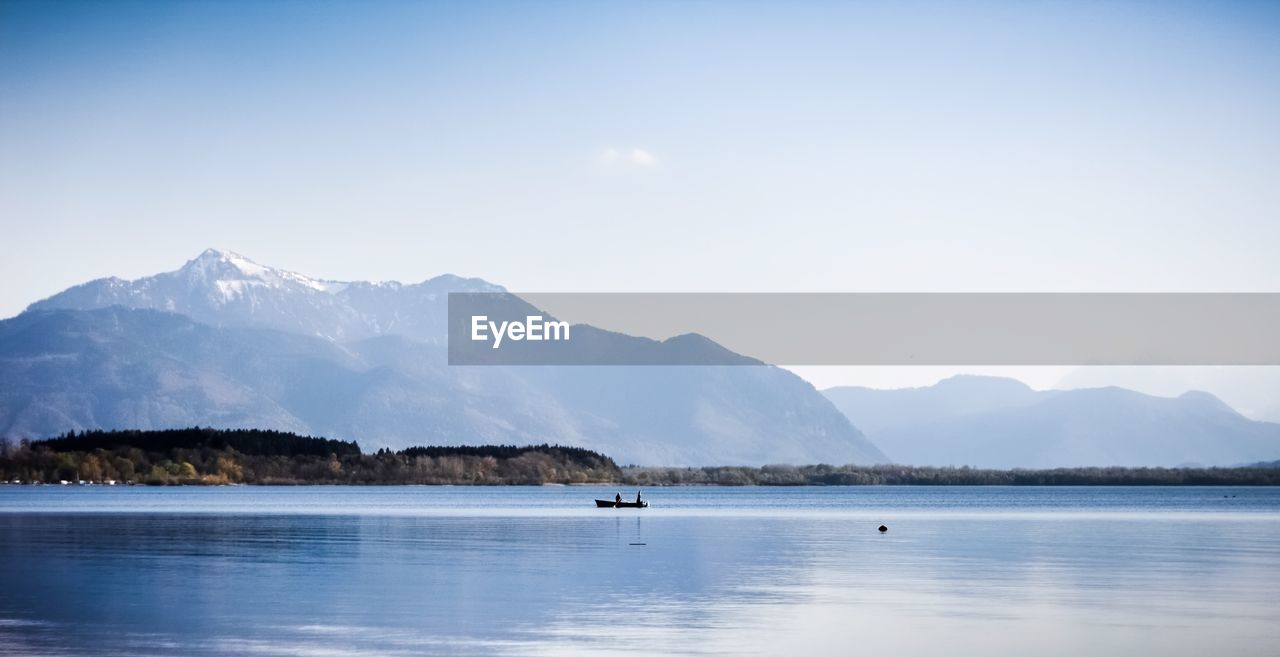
1225, 482
212, 457
906, 475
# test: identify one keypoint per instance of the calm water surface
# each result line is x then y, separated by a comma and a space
325, 571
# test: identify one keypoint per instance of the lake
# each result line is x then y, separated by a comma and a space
333, 571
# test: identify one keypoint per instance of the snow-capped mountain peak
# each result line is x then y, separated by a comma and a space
223, 288
217, 260
230, 272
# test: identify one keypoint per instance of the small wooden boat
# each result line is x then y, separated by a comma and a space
610, 504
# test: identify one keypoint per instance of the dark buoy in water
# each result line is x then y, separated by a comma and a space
883, 529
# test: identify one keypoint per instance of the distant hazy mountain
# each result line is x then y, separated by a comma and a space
1253, 390
956, 397
226, 342
1001, 423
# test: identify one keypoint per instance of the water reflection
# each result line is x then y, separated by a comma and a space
1191, 582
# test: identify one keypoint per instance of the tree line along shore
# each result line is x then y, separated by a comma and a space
202, 456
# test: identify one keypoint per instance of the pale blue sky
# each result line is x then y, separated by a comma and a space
600, 146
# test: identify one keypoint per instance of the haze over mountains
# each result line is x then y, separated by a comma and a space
1001, 423
226, 342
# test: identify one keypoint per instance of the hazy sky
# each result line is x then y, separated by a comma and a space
597, 146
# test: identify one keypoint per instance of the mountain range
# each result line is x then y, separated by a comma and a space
224, 341
997, 422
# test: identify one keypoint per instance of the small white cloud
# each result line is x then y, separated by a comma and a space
643, 158
636, 157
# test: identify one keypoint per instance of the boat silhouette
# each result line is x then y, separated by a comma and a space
612, 504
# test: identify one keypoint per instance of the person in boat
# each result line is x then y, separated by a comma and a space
617, 499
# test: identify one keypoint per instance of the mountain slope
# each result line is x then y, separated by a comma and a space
999, 423
133, 369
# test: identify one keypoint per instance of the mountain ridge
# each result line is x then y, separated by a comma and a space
1021, 427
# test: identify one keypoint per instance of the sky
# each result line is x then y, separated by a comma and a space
656, 146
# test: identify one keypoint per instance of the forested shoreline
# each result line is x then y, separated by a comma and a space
202, 456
